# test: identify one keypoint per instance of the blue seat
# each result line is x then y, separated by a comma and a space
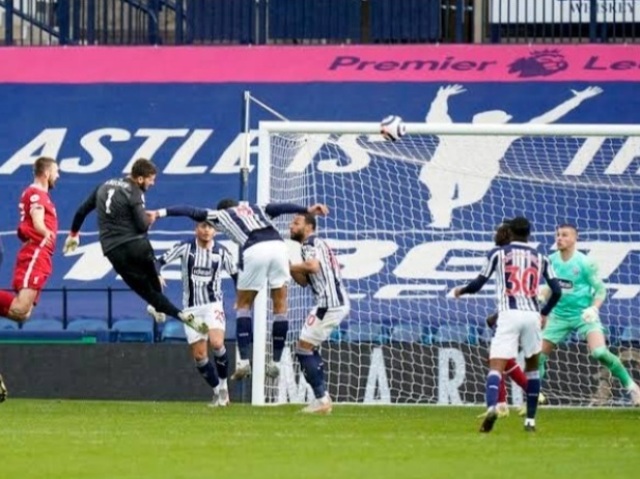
366, 333
8, 325
485, 335
173, 332
42, 325
336, 335
455, 333
134, 330
630, 334
408, 333
88, 325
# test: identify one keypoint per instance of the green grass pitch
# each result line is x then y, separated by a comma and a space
130, 440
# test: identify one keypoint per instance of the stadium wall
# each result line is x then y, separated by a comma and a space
364, 373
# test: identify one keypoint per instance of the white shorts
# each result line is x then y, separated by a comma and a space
320, 323
264, 263
516, 328
211, 314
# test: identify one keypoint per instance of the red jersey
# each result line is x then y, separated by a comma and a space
33, 197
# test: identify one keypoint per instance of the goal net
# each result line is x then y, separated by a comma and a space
412, 219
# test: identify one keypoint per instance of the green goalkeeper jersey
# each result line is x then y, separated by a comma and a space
580, 284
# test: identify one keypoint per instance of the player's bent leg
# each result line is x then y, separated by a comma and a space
599, 351
313, 370
279, 329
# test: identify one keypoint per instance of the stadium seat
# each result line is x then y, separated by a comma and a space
336, 335
88, 325
134, 330
8, 325
366, 333
455, 333
630, 335
173, 331
42, 325
408, 333
485, 335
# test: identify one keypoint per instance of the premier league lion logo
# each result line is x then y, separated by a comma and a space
539, 64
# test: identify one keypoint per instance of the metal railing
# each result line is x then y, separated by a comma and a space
177, 22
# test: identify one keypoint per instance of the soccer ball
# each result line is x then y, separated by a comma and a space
392, 128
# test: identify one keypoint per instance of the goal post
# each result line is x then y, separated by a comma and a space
412, 219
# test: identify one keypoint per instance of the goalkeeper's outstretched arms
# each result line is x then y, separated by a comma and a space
87, 206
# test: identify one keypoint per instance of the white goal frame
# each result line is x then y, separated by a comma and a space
267, 128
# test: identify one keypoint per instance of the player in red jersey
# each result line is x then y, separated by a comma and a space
37, 230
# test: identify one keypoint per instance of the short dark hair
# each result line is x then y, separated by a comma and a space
309, 219
226, 203
567, 225
143, 168
42, 164
502, 234
520, 227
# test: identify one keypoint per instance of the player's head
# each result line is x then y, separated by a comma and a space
520, 229
503, 233
226, 203
566, 236
143, 173
302, 226
491, 116
46, 169
205, 231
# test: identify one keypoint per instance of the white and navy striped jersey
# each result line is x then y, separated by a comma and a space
518, 269
246, 224
326, 284
201, 270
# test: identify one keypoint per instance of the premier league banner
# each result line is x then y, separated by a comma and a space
96, 110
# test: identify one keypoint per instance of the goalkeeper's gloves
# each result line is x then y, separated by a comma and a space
71, 243
590, 314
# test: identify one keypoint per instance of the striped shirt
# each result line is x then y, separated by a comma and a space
245, 224
326, 284
518, 268
201, 270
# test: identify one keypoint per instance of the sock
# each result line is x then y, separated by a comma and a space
208, 371
279, 335
493, 385
222, 362
542, 365
6, 298
502, 391
244, 333
515, 372
533, 391
613, 364
312, 369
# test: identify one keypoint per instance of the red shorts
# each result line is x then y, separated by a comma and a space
33, 268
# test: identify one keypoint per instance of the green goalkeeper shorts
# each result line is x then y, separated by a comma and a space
558, 329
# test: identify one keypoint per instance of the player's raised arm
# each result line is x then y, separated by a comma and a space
87, 206
196, 214
478, 283
276, 209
